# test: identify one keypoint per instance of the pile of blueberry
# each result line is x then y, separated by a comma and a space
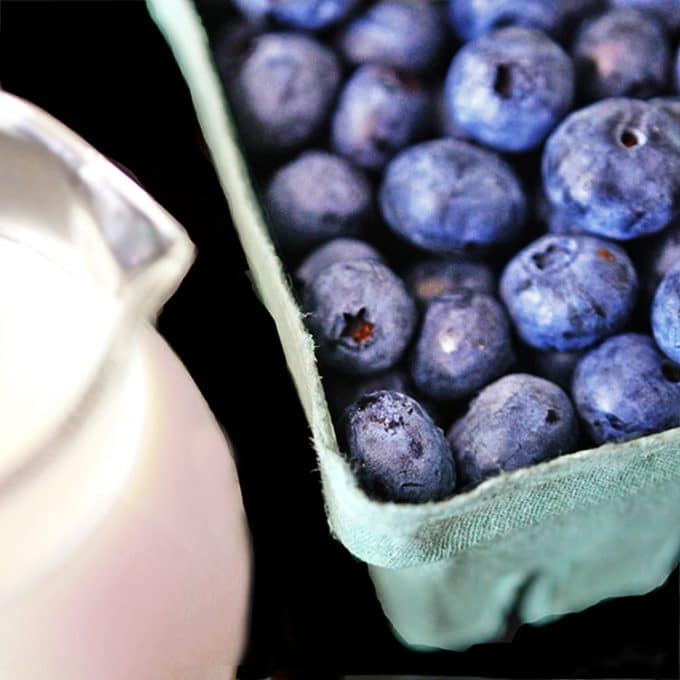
480, 202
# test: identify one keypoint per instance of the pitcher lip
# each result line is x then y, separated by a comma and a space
151, 276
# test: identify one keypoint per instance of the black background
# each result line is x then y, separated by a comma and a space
103, 69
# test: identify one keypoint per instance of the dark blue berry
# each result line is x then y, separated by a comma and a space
613, 169
510, 88
396, 451
566, 293
337, 250
404, 34
428, 279
380, 111
360, 315
626, 388
666, 314
309, 15
281, 90
474, 18
621, 53
447, 195
317, 197
517, 421
465, 343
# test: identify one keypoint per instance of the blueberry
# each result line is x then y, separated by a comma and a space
517, 421
281, 89
361, 316
396, 451
558, 367
510, 88
317, 197
566, 293
309, 15
464, 343
621, 53
666, 314
337, 250
613, 169
428, 279
474, 18
404, 34
665, 11
661, 255
380, 111
446, 195
625, 388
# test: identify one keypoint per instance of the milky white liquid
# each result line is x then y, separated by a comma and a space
125, 555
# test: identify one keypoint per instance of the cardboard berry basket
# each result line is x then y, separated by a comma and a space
537, 543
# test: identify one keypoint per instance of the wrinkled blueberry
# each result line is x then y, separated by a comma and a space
558, 367
566, 293
666, 314
281, 89
316, 197
613, 169
621, 53
626, 388
396, 451
465, 343
309, 15
360, 315
665, 11
474, 18
380, 111
517, 421
510, 88
447, 195
337, 250
428, 279
404, 34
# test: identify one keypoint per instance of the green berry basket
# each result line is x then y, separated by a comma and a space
536, 543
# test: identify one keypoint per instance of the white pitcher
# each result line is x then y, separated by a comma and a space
124, 553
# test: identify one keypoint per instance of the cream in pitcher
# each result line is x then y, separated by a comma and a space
123, 544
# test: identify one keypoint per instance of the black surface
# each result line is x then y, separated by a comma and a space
102, 68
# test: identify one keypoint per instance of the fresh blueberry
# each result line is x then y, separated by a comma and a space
396, 451
517, 421
626, 388
360, 315
661, 255
613, 169
311, 15
566, 293
558, 367
510, 88
317, 197
473, 18
337, 250
380, 111
281, 89
666, 314
446, 195
665, 11
428, 279
465, 342
404, 34
622, 53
